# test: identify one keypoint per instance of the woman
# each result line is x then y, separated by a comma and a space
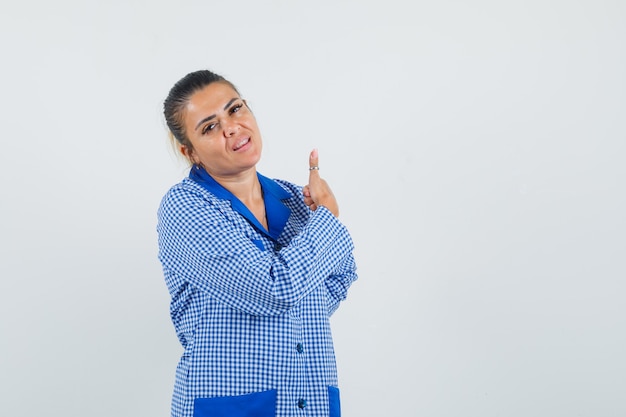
254, 266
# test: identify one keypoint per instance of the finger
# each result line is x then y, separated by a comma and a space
305, 191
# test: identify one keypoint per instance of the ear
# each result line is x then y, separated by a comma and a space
189, 154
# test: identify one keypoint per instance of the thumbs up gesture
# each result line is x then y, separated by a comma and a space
317, 193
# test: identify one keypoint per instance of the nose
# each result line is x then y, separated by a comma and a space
230, 128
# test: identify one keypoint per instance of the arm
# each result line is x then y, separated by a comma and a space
318, 194
339, 281
199, 246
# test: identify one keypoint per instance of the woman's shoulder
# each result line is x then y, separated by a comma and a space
291, 188
187, 194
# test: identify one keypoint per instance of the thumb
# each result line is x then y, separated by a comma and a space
313, 162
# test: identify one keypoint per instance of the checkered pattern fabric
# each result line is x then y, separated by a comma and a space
251, 311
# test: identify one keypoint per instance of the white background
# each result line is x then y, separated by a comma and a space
477, 149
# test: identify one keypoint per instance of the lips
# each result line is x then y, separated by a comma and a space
241, 143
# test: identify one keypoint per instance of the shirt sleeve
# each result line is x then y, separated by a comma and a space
339, 281
200, 246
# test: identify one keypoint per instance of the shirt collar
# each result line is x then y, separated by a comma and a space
277, 213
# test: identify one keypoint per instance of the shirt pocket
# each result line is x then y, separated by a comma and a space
257, 404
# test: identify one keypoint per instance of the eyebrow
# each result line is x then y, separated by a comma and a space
206, 119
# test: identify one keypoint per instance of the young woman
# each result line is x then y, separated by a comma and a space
255, 267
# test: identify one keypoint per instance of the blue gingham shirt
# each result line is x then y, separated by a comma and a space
251, 307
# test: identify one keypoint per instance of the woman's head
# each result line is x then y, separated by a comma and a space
212, 124
175, 105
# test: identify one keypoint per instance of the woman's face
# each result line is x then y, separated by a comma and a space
223, 131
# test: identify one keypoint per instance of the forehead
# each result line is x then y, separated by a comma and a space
211, 98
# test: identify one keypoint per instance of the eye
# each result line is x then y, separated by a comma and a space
207, 128
236, 108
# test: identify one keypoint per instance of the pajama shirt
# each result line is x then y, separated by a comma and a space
250, 306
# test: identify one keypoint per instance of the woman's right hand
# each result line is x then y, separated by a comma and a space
317, 193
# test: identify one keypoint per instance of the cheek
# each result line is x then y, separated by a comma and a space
210, 152
252, 125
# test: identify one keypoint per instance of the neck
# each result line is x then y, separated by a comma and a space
245, 186
247, 189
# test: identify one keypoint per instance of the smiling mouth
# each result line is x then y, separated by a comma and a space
241, 143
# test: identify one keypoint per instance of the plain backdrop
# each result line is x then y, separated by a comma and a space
476, 148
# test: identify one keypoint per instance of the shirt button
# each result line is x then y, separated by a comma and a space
277, 247
301, 403
300, 348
